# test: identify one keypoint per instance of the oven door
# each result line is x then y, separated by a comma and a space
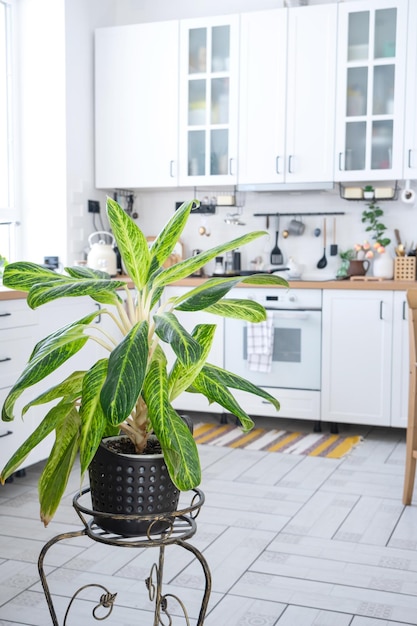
296, 352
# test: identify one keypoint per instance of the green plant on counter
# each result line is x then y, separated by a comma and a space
130, 390
371, 216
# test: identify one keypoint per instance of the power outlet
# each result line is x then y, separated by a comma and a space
93, 206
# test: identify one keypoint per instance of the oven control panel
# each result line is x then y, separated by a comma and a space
281, 298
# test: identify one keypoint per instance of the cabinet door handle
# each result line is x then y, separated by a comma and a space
6, 358
277, 165
381, 310
410, 152
172, 169
404, 310
290, 171
231, 168
341, 168
5, 314
98, 318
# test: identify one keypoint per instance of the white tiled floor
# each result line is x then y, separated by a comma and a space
290, 541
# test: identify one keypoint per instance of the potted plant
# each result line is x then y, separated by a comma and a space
368, 192
130, 391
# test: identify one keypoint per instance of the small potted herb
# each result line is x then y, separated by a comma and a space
368, 192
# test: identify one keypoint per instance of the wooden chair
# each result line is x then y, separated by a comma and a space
411, 443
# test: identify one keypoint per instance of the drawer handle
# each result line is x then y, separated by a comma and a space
5, 314
7, 358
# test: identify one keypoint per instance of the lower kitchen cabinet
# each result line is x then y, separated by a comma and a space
400, 361
357, 363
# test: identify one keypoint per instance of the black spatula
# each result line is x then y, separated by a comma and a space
276, 254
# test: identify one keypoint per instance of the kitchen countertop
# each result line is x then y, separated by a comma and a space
361, 285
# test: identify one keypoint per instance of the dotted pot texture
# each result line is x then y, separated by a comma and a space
135, 485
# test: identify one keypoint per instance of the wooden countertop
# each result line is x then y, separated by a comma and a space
361, 285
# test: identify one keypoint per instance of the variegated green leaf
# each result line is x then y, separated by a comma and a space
131, 242
181, 453
178, 446
57, 470
168, 328
49, 422
165, 242
93, 421
126, 373
229, 379
248, 310
41, 293
216, 391
181, 377
23, 275
82, 271
189, 266
70, 389
48, 355
214, 289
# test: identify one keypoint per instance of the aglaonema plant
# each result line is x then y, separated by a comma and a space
131, 389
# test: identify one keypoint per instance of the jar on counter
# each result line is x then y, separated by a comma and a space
218, 266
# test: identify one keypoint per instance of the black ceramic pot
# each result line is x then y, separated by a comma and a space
131, 484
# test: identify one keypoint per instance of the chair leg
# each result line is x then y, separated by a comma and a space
410, 472
410, 462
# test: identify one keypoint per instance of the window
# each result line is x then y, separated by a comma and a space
6, 186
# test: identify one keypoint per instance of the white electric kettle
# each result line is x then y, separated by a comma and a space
102, 255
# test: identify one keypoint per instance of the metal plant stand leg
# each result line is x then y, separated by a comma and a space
180, 526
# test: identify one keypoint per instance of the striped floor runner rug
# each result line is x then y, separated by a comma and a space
311, 444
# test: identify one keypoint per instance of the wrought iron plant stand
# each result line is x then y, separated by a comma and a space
180, 526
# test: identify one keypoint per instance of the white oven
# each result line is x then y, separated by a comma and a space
295, 352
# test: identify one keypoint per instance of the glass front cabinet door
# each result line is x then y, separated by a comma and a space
208, 100
371, 94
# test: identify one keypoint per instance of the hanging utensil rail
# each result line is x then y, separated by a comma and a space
279, 214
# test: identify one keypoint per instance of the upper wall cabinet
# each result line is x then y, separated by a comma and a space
209, 62
371, 90
136, 105
287, 96
410, 134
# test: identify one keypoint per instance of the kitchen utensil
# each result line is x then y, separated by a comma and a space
296, 227
102, 255
397, 236
323, 261
276, 254
333, 246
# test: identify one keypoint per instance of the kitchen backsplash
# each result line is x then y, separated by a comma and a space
154, 207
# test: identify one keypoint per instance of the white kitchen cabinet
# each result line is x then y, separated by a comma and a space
208, 100
287, 96
18, 335
372, 40
356, 357
136, 105
400, 361
192, 401
410, 134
